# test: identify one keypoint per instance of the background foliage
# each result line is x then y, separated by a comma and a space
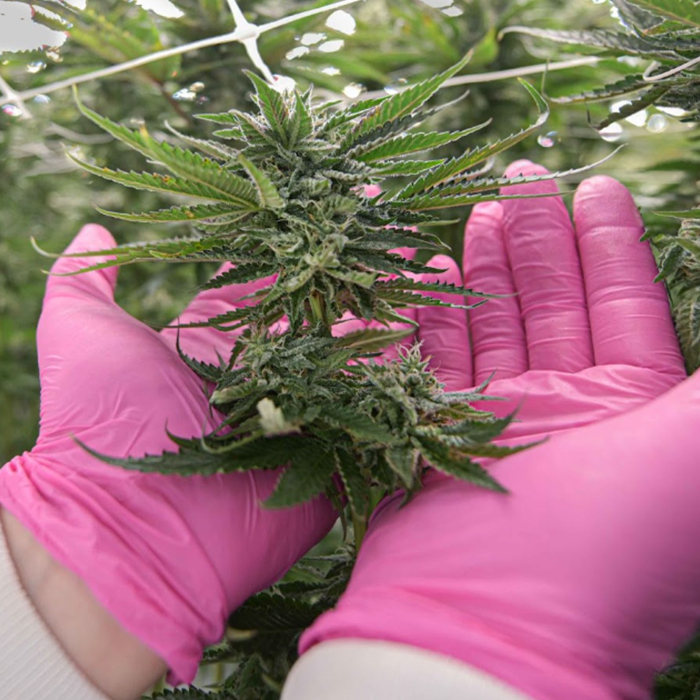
45, 196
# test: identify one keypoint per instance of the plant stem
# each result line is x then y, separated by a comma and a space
359, 526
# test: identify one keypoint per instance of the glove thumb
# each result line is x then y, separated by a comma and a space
98, 283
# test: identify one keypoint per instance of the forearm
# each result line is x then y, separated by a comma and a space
114, 661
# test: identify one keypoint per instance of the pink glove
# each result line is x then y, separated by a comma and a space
583, 581
168, 557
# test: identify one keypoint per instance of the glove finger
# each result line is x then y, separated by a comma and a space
541, 246
629, 313
496, 328
443, 332
98, 284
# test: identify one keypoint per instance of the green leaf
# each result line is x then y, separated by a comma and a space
309, 474
239, 275
371, 339
415, 143
625, 86
457, 166
273, 106
155, 182
203, 212
403, 461
356, 488
452, 192
684, 11
186, 164
401, 298
402, 103
670, 260
463, 468
268, 196
360, 425
403, 168
615, 42
689, 214
479, 431
440, 287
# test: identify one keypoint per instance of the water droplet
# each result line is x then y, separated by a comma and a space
331, 46
611, 133
548, 140
311, 38
342, 22
353, 90
331, 70
297, 52
36, 66
54, 55
185, 95
42, 99
12, 111
657, 123
197, 87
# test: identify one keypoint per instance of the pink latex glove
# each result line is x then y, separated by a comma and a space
584, 580
168, 557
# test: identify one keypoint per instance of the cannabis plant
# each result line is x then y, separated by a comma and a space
664, 35
679, 263
280, 195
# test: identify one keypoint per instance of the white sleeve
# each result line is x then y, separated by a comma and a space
32, 662
359, 669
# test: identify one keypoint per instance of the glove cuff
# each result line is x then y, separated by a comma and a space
32, 663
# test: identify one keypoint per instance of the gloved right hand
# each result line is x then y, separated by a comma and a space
584, 580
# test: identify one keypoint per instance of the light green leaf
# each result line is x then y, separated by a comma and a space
415, 143
402, 103
154, 182
192, 213
372, 339
273, 106
403, 461
457, 166
268, 196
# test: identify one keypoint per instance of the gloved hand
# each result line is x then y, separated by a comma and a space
585, 578
168, 557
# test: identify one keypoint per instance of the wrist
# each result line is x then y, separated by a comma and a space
116, 662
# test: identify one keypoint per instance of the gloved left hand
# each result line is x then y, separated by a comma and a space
168, 557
